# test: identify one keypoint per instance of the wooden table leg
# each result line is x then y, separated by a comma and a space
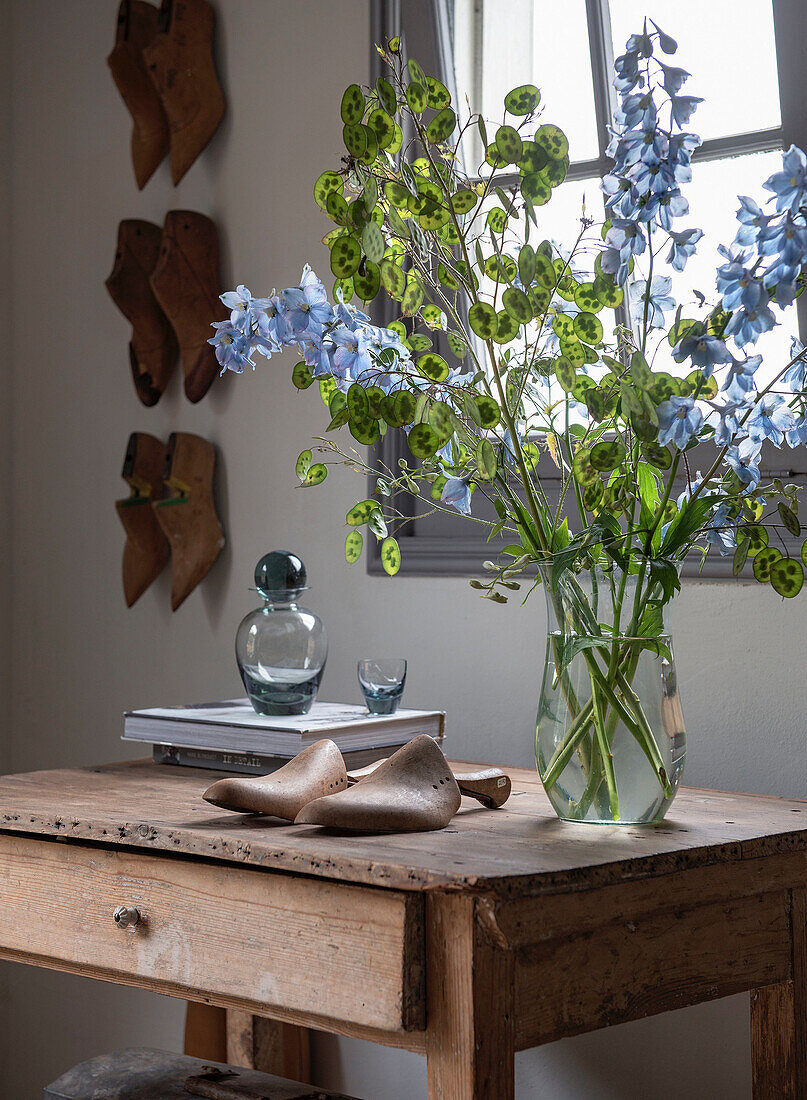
205, 1032
470, 1042
255, 1042
779, 1022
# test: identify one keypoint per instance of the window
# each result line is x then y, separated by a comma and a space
750, 112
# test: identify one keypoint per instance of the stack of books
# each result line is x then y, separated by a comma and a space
230, 736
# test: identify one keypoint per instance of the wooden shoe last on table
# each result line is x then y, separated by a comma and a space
137, 28
180, 63
146, 551
187, 515
186, 283
153, 348
412, 791
316, 771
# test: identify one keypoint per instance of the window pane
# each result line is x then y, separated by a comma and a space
713, 204
561, 68
528, 41
728, 47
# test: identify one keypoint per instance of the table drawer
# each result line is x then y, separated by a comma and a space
238, 935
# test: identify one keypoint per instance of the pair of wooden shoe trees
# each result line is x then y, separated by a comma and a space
412, 791
162, 64
170, 513
166, 284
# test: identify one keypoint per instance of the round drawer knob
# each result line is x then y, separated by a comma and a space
126, 916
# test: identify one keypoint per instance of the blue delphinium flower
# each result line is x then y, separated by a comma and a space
307, 305
656, 297
797, 436
788, 184
457, 493
623, 241
747, 325
682, 246
728, 424
242, 305
739, 382
233, 348
744, 460
796, 374
678, 420
751, 220
770, 419
352, 355
720, 532
704, 350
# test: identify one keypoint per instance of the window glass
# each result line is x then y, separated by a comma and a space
561, 68
727, 45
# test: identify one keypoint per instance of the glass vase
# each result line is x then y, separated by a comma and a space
610, 741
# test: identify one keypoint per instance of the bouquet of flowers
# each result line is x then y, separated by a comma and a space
532, 369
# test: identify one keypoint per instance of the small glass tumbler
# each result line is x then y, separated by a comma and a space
382, 683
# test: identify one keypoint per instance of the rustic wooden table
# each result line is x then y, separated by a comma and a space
506, 930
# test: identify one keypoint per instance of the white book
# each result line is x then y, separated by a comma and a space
234, 726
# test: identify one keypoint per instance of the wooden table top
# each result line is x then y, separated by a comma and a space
521, 849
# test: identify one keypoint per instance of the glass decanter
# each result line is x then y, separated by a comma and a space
281, 648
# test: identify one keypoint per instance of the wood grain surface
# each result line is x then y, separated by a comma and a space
520, 849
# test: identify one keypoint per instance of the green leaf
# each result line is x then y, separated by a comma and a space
439, 95
327, 388
588, 327
301, 376
740, 558
413, 295
786, 576
565, 373
553, 139
790, 520
353, 546
358, 403
489, 413
522, 100
338, 420
417, 98
372, 240
526, 264
327, 184
517, 304
361, 512
423, 441
304, 460
506, 327
686, 524
354, 137
386, 95
393, 279
486, 460
657, 456
463, 201
377, 524
415, 72
390, 556
483, 320
382, 126
316, 475
441, 126
607, 455
440, 418
457, 344
433, 366
508, 144
353, 104
345, 257
367, 280
763, 562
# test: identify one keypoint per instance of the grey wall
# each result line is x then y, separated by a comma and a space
79, 658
